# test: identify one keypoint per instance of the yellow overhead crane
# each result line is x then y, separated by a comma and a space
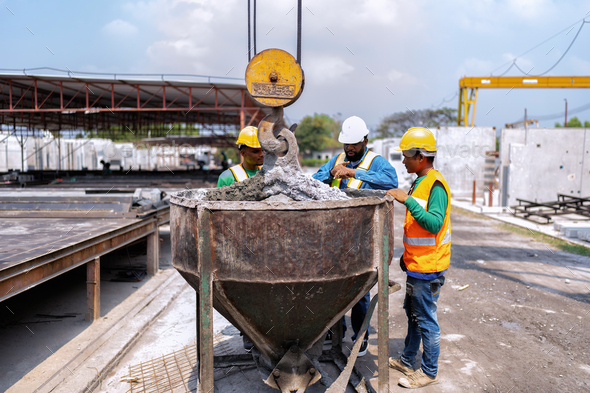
468, 86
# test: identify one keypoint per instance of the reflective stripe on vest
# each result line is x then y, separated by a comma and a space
365, 165
425, 252
420, 241
447, 238
239, 172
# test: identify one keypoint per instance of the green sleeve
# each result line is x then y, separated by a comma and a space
226, 179
431, 220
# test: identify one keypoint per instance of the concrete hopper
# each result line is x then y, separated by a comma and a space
282, 273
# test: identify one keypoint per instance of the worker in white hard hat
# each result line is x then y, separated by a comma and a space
252, 158
357, 167
426, 257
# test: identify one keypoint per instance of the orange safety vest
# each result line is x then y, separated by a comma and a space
365, 164
239, 172
425, 252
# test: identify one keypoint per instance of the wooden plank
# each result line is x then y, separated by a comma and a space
93, 289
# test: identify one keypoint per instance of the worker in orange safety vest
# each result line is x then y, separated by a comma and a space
426, 257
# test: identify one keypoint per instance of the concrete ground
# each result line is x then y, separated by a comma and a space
520, 325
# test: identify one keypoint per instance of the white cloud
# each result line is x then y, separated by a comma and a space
119, 28
474, 67
326, 69
531, 9
580, 66
399, 77
189, 35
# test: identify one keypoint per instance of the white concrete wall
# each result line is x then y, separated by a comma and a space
43, 153
460, 158
10, 153
544, 162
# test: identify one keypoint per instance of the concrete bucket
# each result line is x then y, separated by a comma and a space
282, 273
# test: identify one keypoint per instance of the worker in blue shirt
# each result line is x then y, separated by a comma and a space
357, 167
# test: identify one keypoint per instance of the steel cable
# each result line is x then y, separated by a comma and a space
249, 35
299, 32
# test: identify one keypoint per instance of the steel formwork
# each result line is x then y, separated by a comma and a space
58, 102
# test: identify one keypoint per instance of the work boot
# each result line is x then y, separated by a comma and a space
398, 365
364, 347
247, 343
417, 380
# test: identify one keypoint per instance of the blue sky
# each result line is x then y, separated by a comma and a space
352, 52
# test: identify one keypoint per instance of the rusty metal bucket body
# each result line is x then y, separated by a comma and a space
283, 273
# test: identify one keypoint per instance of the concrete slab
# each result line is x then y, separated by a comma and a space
560, 155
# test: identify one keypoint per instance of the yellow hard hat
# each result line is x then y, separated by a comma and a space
417, 138
249, 137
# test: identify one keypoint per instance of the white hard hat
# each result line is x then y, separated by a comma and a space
353, 130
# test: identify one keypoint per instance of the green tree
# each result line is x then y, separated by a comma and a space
315, 133
587, 124
557, 125
574, 123
398, 123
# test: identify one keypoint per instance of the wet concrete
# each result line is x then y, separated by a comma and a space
280, 175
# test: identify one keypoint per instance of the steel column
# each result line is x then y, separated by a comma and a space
36, 106
153, 252
93, 289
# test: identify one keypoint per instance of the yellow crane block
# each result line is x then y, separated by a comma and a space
274, 78
468, 87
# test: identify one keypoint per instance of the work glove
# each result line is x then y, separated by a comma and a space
402, 264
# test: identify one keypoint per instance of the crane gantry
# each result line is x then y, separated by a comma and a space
469, 85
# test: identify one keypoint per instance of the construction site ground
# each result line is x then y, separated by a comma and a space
520, 325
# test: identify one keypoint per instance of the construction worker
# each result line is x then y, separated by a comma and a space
357, 167
252, 158
426, 258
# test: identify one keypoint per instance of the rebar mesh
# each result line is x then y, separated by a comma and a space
175, 372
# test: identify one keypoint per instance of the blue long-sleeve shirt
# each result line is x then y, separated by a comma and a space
380, 176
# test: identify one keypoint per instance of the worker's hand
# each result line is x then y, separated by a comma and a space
334, 172
402, 264
398, 194
342, 172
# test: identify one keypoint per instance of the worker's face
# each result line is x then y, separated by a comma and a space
354, 152
252, 156
413, 160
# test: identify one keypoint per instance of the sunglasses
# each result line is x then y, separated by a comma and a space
410, 153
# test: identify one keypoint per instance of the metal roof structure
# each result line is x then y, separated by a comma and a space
55, 103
